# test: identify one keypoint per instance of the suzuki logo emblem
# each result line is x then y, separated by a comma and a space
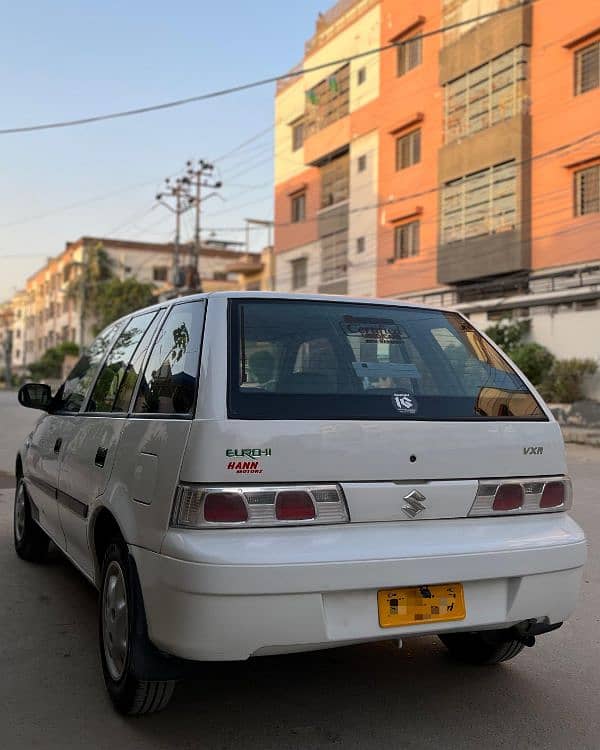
415, 500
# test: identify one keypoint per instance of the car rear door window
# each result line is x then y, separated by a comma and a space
115, 366
168, 385
327, 360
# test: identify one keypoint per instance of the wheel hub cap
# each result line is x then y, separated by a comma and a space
20, 513
115, 626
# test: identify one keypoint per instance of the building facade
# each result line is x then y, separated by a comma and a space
459, 168
44, 314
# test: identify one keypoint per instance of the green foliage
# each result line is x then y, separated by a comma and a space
563, 384
534, 360
508, 333
115, 298
50, 365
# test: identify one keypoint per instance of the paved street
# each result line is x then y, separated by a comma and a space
374, 696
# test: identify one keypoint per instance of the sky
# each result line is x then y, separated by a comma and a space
66, 59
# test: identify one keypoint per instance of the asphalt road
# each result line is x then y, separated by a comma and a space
372, 696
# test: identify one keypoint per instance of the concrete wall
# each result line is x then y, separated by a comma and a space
567, 334
362, 267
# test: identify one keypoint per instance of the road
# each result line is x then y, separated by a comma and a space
372, 696
15, 423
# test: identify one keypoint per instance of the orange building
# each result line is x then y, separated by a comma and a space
458, 168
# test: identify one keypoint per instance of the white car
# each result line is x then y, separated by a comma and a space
248, 474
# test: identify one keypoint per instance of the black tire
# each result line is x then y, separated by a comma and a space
485, 647
129, 694
31, 542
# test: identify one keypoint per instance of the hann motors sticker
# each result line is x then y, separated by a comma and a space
405, 403
245, 467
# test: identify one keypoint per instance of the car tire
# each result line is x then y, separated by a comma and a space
121, 633
31, 542
485, 647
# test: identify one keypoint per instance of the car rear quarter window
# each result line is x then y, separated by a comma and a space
326, 360
168, 385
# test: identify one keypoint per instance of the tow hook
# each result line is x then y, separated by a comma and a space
526, 631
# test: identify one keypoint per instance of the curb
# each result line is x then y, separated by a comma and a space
581, 436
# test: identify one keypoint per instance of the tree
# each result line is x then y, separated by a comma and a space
51, 362
508, 334
105, 296
115, 298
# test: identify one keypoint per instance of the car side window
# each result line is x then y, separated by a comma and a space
116, 364
168, 385
71, 394
134, 368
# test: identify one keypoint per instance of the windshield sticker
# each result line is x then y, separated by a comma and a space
373, 330
385, 370
247, 452
405, 403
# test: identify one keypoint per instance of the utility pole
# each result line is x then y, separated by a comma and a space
200, 175
180, 201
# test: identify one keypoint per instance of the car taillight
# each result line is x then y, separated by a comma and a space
508, 497
198, 507
553, 495
294, 505
224, 507
522, 496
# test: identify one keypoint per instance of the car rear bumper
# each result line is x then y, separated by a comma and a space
228, 595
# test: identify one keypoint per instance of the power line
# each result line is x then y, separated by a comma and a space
255, 84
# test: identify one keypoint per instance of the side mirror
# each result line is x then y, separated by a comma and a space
35, 396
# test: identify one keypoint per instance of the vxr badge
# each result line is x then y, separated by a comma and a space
415, 500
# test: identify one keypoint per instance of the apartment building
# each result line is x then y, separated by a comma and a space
44, 314
458, 168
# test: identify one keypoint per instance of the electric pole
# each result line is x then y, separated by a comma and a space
176, 197
200, 175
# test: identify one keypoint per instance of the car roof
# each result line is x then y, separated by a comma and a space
289, 296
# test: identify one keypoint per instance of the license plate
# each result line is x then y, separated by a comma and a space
416, 605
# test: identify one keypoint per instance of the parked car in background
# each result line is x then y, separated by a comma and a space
250, 474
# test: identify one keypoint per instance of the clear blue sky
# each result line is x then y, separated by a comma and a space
69, 59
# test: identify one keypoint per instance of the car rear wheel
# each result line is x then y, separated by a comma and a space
31, 542
485, 647
121, 612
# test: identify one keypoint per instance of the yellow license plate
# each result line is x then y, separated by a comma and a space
416, 605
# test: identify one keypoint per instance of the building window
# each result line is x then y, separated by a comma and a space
362, 163
481, 203
220, 276
361, 76
335, 181
587, 68
298, 208
360, 245
328, 101
408, 150
486, 95
297, 135
410, 54
18, 333
160, 273
587, 190
406, 240
299, 273
334, 257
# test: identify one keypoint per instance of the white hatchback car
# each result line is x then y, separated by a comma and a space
247, 474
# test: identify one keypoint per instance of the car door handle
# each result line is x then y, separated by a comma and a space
100, 457
57, 445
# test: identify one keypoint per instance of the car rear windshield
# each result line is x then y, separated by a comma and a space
293, 359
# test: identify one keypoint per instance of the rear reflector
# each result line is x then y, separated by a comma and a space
224, 507
508, 497
522, 496
197, 507
294, 505
553, 495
